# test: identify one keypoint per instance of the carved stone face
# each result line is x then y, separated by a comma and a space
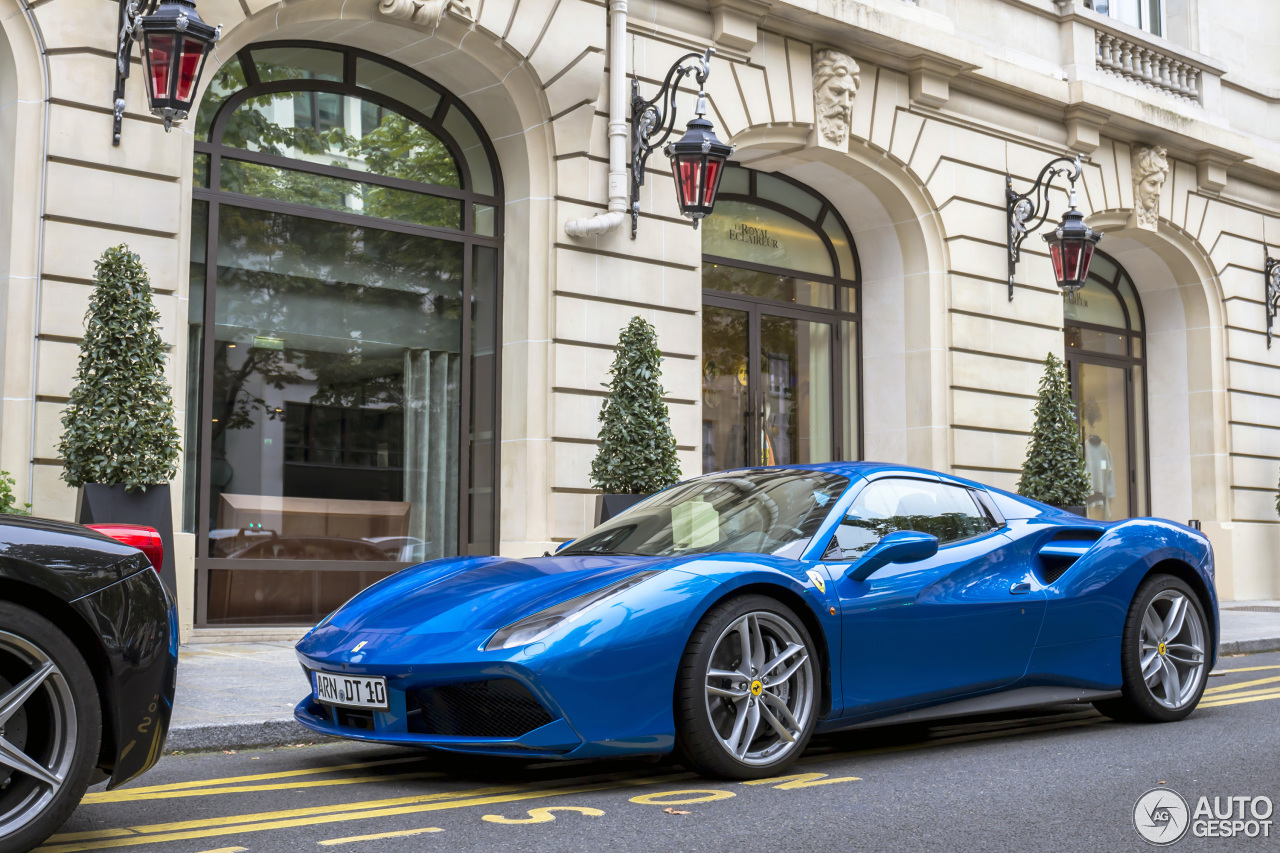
1149, 193
1150, 170
835, 82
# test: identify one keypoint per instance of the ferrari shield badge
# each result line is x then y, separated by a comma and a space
818, 581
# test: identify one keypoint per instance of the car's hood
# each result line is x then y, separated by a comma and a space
475, 593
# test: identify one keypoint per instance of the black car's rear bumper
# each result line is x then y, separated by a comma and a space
137, 622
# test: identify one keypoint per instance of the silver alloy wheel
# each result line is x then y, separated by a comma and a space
1171, 645
37, 732
760, 688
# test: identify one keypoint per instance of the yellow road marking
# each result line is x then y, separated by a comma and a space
103, 796
351, 839
801, 780
91, 833
1236, 694
1244, 669
313, 818
127, 796
700, 795
157, 833
1233, 700
230, 820
1222, 688
542, 815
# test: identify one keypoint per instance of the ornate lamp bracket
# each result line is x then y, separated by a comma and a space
131, 11
1272, 271
653, 121
1028, 211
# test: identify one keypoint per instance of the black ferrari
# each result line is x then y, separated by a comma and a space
88, 655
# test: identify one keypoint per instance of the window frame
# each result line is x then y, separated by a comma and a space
843, 281
991, 515
212, 196
1075, 356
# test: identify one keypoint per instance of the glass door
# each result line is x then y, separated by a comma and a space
768, 386
727, 411
1106, 405
795, 369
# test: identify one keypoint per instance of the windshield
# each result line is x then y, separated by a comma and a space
769, 511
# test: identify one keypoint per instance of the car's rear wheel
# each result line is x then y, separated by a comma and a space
50, 727
747, 692
1163, 657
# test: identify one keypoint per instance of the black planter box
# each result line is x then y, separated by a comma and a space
98, 504
1077, 510
607, 506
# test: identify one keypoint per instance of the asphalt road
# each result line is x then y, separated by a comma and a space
1066, 779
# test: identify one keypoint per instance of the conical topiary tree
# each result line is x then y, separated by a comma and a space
637, 453
1054, 472
118, 428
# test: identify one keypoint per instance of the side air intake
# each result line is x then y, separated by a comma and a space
1063, 550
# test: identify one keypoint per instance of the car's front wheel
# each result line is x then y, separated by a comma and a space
50, 727
1164, 654
747, 693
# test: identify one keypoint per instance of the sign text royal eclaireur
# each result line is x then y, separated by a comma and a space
744, 233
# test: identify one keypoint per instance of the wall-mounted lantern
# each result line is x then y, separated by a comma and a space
697, 158
1272, 271
175, 42
1071, 244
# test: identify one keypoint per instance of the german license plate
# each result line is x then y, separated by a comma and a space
368, 691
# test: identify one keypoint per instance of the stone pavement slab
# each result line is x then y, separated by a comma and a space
234, 695
1249, 626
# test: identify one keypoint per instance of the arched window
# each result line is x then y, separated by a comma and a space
780, 299
344, 305
1106, 357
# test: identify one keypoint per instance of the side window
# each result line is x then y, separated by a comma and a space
948, 512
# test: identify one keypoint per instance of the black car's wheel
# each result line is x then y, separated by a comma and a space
746, 697
1163, 654
50, 727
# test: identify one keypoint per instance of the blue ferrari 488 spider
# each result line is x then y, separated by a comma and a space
733, 615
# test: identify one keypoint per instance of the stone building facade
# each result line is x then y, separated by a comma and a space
414, 360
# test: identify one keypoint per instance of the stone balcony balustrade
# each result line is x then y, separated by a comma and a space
1148, 66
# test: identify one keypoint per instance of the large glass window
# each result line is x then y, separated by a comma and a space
1144, 14
779, 327
344, 332
1106, 358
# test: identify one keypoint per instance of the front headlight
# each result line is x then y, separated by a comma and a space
533, 628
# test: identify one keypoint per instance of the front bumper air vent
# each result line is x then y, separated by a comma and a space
495, 708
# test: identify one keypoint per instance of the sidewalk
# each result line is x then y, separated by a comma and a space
241, 695
1249, 626
237, 695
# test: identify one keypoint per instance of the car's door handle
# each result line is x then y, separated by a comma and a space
1020, 588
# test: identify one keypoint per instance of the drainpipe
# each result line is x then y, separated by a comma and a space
602, 223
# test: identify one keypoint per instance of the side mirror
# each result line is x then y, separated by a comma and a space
901, 546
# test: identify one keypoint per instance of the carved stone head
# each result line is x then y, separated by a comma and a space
835, 82
1150, 170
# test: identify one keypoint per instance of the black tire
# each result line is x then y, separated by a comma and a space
30, 810
1139, 702
698, 744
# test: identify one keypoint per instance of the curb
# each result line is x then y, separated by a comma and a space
264, 733
1244, 647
